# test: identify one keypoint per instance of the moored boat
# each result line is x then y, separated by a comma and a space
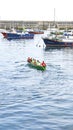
64, 41
36, 64
16, 35
35, 31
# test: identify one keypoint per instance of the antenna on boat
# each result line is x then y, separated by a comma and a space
54, 16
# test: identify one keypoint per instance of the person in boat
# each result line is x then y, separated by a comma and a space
43, 64
38, 62
34, 61
29, 59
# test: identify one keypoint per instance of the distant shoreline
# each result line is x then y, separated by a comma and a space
6, 24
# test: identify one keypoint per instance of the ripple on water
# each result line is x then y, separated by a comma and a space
31, 99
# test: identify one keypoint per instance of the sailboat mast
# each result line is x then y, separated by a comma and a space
54, 14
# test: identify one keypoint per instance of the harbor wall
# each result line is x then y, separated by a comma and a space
35, 24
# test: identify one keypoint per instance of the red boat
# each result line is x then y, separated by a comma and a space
36, 31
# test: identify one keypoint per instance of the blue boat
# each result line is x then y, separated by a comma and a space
58, 42
16, 35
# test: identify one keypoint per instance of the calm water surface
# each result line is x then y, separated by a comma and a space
31, 99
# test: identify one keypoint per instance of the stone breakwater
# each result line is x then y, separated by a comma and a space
35, 24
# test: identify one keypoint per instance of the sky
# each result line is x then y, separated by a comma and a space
36, 10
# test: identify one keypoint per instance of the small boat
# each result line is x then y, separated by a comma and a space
17, 35
36, 64
36, 31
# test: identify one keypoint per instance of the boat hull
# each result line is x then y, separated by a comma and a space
36, 32
36, 67
11, 36
57, 43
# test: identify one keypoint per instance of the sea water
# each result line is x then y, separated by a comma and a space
31, 99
